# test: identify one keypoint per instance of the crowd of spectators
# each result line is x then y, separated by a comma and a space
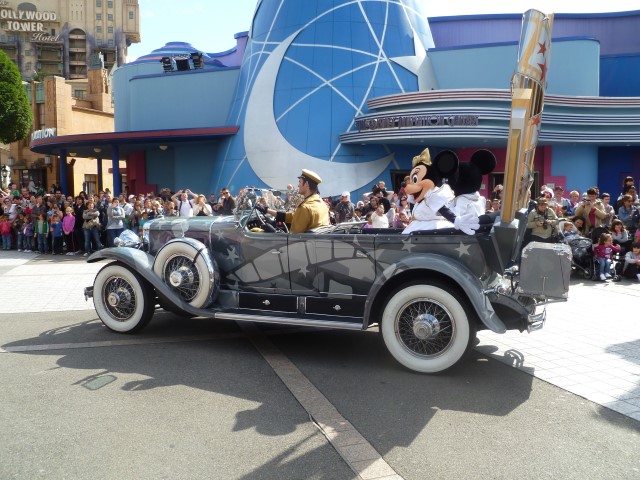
52, 223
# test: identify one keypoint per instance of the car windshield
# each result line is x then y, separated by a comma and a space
272, 198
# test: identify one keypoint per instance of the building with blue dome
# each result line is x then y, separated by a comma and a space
354, 90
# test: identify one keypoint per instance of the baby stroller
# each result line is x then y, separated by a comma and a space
582, 260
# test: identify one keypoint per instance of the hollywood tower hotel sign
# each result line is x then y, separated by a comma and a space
27, 20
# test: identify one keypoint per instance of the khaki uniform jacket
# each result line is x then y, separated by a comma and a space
311, 213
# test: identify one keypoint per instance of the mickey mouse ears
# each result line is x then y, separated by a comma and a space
484, 160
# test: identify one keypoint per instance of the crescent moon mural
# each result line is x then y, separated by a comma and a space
266, 147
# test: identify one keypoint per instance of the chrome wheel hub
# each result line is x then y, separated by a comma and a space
118, 297
182, 274
426, 326
181, 277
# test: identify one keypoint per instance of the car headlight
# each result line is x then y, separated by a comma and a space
126, 239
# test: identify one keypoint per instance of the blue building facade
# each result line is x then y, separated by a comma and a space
332, 85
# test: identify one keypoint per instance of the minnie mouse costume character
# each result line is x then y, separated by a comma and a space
431, 195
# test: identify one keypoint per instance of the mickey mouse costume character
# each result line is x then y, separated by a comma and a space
467, 181
431, 195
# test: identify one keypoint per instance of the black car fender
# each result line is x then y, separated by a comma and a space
439, 265
142, 263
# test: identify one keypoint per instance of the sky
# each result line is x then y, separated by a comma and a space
210, 25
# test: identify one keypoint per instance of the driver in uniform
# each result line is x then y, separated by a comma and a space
312, 211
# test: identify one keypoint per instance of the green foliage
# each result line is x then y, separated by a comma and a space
16, 116
40, 76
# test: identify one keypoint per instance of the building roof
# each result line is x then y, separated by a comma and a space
101, 144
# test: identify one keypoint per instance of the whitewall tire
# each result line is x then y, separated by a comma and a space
426, 329
124, 302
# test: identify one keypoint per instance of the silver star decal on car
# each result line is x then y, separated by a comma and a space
304, 270
407, 245
463, 250
232, 254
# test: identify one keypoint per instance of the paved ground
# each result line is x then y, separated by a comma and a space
173, 407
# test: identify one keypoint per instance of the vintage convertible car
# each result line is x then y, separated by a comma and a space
428, 292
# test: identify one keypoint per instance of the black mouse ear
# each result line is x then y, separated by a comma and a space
484, 160
446, 163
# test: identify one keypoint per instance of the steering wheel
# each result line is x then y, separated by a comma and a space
262, 222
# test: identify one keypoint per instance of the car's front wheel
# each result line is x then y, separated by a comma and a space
124, 302
426, 328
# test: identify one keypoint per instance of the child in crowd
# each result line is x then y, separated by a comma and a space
25, 236
603, 252
56, 235
578, 223
68, 224
569, 231
608, 210
632, 262
17, 226
369, 223
5, 231
41, 232
143, 219
620, 235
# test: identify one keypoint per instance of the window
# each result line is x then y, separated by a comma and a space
98, 3
110, 29
111, 43
39, 91
132, 15
98, 29
110, 4
79, 94
98, 16
110, 17
90, 184
28, 53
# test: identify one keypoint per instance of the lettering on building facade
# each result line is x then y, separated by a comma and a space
44, 133
27, 21
410, 121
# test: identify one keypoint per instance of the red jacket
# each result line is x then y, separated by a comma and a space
605, 251
5, 228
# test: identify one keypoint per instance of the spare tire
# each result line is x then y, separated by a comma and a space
186, 267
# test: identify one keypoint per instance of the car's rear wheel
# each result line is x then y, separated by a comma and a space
187, 270
426, 328
124, 302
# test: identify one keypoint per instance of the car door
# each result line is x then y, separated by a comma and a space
302, 263
343, 273
257, 262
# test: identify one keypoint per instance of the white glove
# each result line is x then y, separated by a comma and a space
467, 223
